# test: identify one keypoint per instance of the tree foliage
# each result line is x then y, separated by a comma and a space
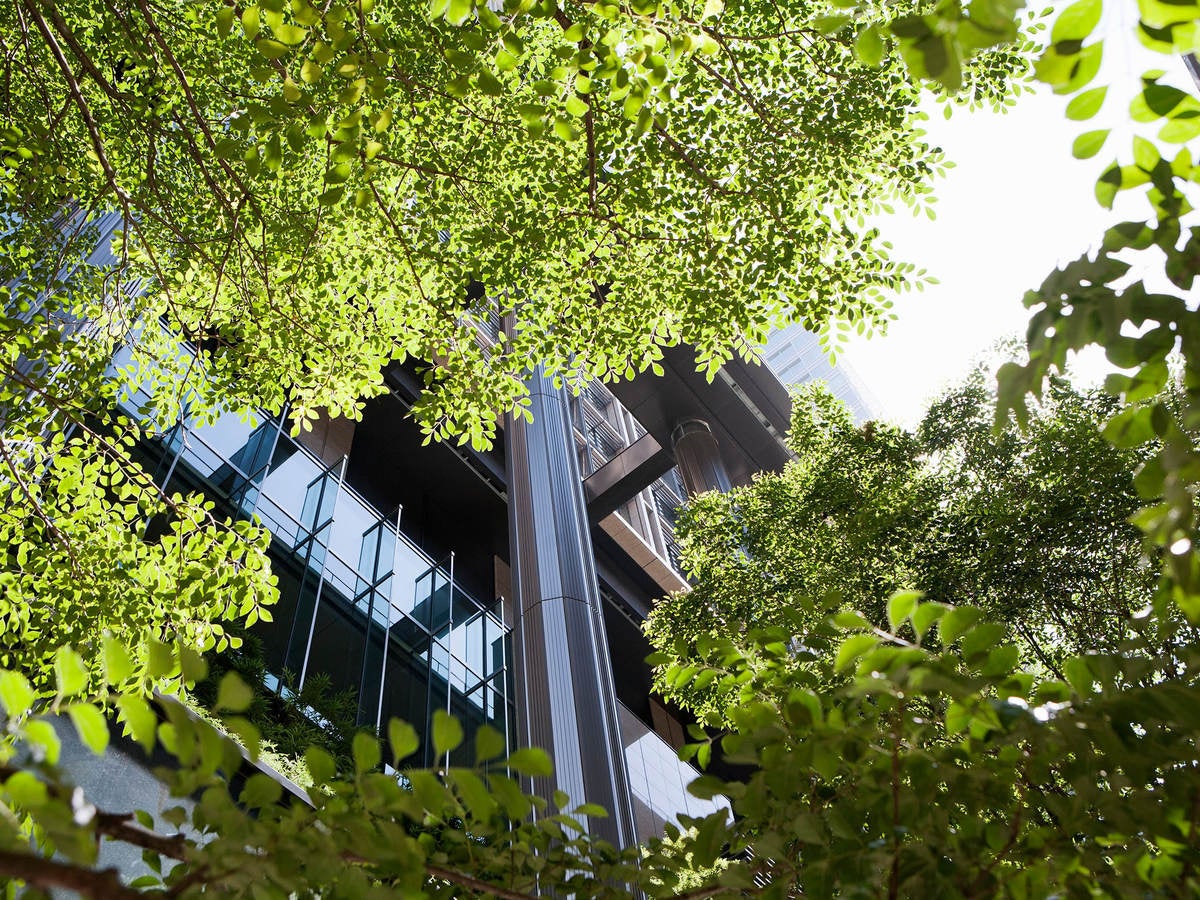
318, 191
310, 193
884, 762
1029, 524
1133, 296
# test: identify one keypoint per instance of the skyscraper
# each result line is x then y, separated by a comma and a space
796, 357
505, 586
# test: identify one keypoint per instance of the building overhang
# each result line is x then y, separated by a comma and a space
745, 405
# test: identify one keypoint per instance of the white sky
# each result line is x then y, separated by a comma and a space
1016, 205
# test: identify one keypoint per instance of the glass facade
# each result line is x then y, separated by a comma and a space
359, 603
796, 357
658, 780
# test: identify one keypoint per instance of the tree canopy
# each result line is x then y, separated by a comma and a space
1031, 525
315, 191
311, 192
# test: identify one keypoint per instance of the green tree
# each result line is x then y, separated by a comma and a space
1033, 524
928, 761
1030, 524
310, 193
844, 522
893, 761
315, 191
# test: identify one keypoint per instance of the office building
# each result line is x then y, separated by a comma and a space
506, 586
796, 357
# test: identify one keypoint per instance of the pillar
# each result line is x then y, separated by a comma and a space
698, 457
565, 698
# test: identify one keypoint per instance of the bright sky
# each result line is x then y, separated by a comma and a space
1016, 205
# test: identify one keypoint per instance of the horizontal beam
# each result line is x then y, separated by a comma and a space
621, 478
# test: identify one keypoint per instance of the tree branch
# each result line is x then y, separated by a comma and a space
102, 884
476, 884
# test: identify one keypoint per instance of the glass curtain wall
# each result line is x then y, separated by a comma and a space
360, 606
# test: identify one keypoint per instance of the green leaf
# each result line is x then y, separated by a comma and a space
233, 694
1130, 428
1079, 676
566, 130
1107, 186
849, 619
473, 794
224, 16
16, 693
531, 761
332, 196
321, 766
958, 621
925, 615
250, 21
852, 648
712, 8
489, 744
447, 732
26, 791
90, 725
260, 791
505, 61
310, 72
1145, 154
70, 673
488, 83
982, 638
958, 717
404, 740
365, 749
1077, 21
869, 46
41, 736
160, 659
458, 10
247, 734
829, 25
192, 664
1001, 661
1089, 143
576, 106
118, 665
1086, 104
270, 48
139, 719
289, 34
901, 605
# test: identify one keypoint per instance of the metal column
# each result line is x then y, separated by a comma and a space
698, 457
566, 702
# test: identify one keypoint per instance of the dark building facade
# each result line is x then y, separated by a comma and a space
507, 586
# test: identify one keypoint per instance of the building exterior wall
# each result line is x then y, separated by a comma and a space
360, 603
796, 357
364, 607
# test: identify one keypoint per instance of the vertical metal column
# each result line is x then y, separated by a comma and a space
566, 701
698, 457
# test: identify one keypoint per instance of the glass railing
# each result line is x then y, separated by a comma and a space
366, 608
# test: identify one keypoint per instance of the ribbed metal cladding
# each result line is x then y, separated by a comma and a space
565, 699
